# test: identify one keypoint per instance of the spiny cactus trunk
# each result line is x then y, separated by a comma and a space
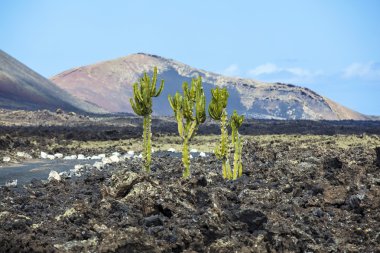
186, 158
227, 173
238, 167
147, 142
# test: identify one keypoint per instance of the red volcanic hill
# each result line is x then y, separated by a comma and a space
109, 85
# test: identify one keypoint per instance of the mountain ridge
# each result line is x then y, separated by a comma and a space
109, 85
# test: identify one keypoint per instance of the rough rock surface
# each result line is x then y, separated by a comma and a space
293, 197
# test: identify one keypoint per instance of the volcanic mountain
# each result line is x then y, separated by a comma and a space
109, 85
22, 88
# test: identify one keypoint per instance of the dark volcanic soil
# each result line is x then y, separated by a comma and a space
291, 198
298, 193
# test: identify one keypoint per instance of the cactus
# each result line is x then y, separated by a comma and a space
217, 111
235, 122
184, 106
142, 105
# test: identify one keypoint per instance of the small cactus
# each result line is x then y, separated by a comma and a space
142, 105
235, 122
184, 106
217, 111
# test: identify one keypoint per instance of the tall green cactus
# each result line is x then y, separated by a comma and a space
184, 106
142, 105
217, 111
235, 122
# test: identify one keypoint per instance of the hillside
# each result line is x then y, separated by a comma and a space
109, 85
23, 88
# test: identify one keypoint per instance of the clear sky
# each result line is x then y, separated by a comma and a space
330, 46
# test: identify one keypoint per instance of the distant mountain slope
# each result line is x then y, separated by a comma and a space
22, 88
109, 85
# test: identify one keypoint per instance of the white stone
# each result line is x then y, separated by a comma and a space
98, 165
81, 157
64, 174
202, 154
114, 159
51, 157
11, 183
78, 167
131, 152
127, 156
193, 150
106, 160
54, 175
102, 155
6, 159
116, 154
24, 155
95, 157
191, 156
43, 155
171, 150
58, 155
70, 157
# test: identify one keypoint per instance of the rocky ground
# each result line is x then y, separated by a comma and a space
298, 193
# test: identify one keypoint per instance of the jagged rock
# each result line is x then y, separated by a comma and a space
335, 195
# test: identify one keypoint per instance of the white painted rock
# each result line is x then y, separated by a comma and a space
202, 154
51, 157
11, 183
58, 155
114, 159
54, 175
106, 160
6, 159
70, 157
24, 155
64, 174
131, 152
98, 165
116, 154
193, 150
171, 150
78, 167
43, 155
81, 157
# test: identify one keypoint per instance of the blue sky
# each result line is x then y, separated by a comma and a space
330, 46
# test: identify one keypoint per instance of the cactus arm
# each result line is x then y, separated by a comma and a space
153, 83
160, 89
